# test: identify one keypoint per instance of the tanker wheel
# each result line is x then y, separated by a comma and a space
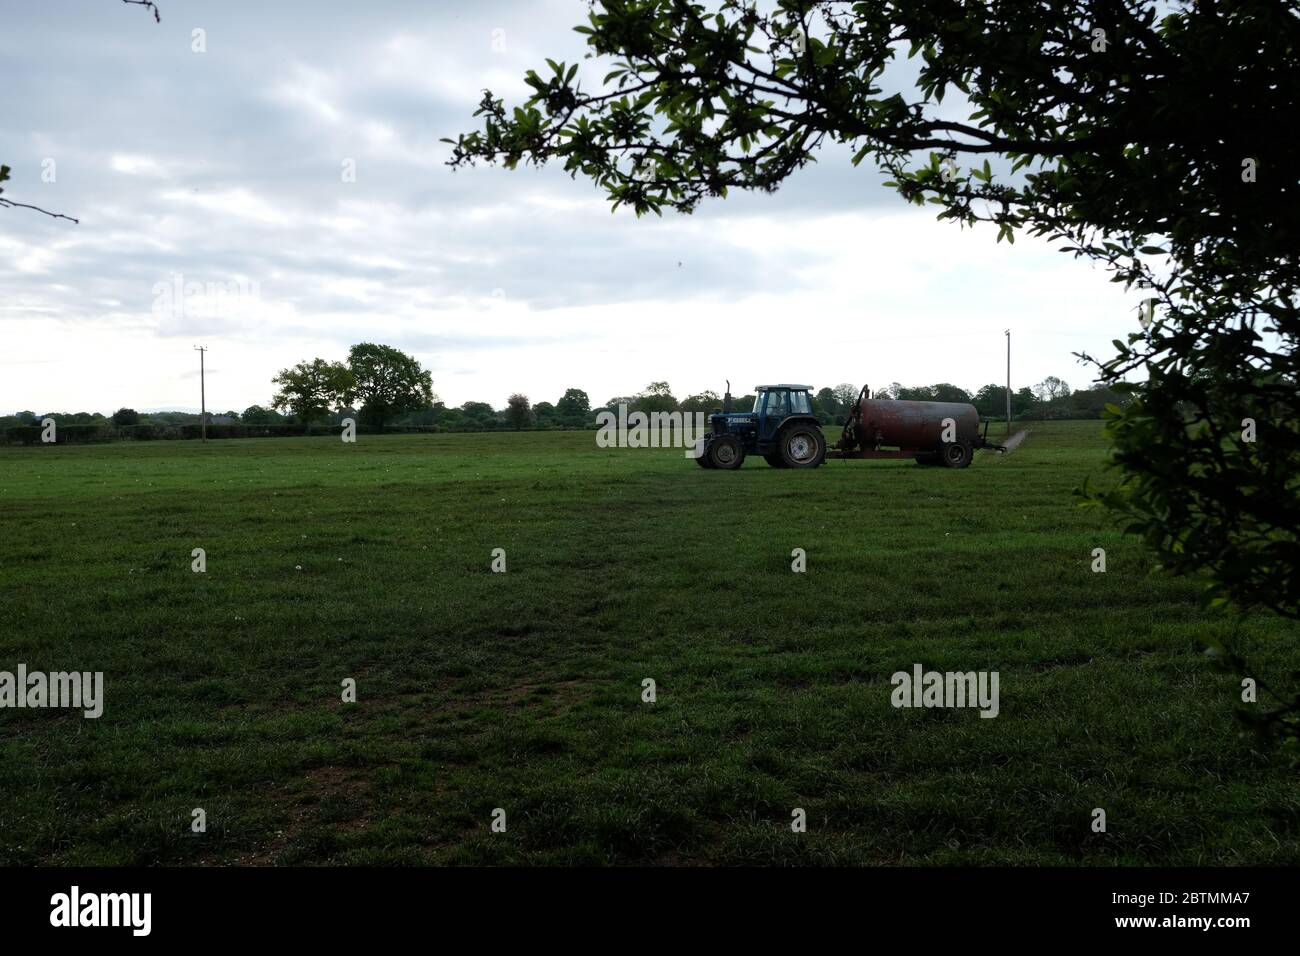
726, 452
775, 460
957, 454
803, 446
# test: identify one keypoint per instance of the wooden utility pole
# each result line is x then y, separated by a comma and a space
1008, 381
203, 395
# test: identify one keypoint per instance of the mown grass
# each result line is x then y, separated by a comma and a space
523, 690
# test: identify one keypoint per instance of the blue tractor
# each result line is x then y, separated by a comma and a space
781, 427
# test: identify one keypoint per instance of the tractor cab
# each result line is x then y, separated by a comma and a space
775, 404
781, 427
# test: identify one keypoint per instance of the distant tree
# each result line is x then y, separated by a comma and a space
918, 393
170, 418
519, 412
706, 401
126, 416
944, 392
827, 401
27, 418
420, 418
479, 415
574, 408
257, 415
1022, 402
232, 415
1092, 402
76, 418
387, 382
450, 419
991, 401
1050, 389
544, 415
656, 397
846, 393
311, 389
824, 415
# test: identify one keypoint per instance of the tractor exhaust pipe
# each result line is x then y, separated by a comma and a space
726, 401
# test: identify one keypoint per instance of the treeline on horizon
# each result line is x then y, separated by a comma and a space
386, 390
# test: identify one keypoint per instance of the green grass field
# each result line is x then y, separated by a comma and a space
522, 690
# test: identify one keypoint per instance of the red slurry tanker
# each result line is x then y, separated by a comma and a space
933, 433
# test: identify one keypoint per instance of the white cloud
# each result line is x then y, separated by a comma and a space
239, 203
135, 165
311, 90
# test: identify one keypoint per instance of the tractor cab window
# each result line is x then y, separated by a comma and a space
800, 403
778, 404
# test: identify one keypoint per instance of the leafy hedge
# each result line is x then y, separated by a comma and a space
63, 434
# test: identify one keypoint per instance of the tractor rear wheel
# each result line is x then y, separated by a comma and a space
802, 446
726, 452
957, 454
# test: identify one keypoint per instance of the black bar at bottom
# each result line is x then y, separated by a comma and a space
335, 905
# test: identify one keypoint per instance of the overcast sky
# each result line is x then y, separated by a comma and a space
226, 168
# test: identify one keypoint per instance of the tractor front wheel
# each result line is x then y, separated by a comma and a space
803, 446
726, 452
702, 454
